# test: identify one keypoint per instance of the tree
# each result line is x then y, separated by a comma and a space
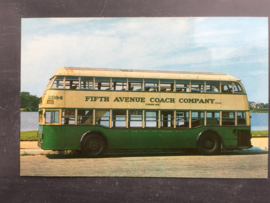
266, 105
29, 102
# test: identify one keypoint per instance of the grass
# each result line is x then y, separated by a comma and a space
26, 154
263, 133
262, 110
29, 136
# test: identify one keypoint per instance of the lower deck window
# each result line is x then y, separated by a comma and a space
102, 117
151, 119
85, 117
135, 118
40, 117
241, 118
197, 118
68, 117
167, 119
52, 117
212, 118
228, 118
182, 119
119, 118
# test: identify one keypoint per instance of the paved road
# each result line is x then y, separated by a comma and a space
240, 164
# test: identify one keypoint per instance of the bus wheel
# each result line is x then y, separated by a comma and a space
209, 144
93, 145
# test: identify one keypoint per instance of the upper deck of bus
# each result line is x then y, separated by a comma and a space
144, 74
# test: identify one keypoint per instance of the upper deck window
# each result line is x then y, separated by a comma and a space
87, 83
71, 82
212, 86
102, 83
58, 82
237, 88
226, 87
182, 86
151, 85
197, 86
135, 84
166, 85
119, 84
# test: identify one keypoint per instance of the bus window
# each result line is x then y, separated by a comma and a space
212, 118
213, 86
226, 87
51, 117
58, 83
135, 118
119, 118
40, 116
68, 117
85, 117
87, 83
135, 84
182, 119
119, 84
228, 118
237, 88
72, 83
197, 118
102, 83
103, 117
241, 118
182, 86
197, 86
151, 85
151, 119
166, 85
167, 119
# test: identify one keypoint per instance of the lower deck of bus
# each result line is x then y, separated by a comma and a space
67, 137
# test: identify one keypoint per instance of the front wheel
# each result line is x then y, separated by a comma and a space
209, 144
93, 145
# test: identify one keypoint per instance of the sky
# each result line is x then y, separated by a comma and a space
237, 46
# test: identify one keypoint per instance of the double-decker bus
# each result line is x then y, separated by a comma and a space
105, 110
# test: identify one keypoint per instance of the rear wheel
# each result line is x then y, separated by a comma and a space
209, 144
93, 145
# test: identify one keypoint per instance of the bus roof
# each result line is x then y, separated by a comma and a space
153, 74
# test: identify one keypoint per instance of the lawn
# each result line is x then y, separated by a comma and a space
263, 133
29, 136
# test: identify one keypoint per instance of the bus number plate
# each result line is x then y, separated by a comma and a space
55, 97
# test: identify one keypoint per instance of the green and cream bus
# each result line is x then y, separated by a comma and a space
111, 110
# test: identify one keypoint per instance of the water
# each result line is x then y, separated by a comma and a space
259, 121
29, 121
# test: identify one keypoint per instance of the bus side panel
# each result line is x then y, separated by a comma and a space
52, 137
141, 139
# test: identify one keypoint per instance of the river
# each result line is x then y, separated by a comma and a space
29, 121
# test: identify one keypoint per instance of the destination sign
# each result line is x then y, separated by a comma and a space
152, 100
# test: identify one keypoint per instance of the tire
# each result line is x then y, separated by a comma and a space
93, 145
209, 144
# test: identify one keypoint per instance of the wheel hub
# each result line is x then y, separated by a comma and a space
93, 145
209, 144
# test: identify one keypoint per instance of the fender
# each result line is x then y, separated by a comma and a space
209, 130
95, 131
